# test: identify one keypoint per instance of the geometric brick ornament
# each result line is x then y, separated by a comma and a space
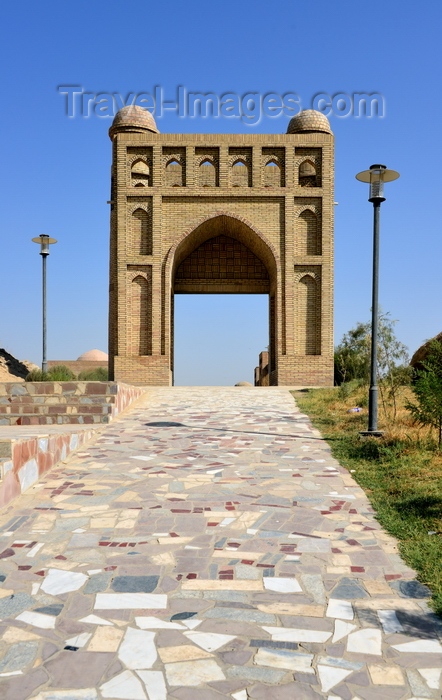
229, 213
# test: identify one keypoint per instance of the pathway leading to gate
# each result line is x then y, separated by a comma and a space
207, 546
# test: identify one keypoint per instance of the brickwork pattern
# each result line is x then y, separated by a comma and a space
264, 200
221, 258
262, 371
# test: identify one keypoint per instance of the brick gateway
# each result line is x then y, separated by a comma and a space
231, 213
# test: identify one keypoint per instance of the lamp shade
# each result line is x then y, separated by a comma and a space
45, 241
376, 177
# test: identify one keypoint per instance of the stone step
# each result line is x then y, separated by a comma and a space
79, 388
56, 409
55, 419
63, 403
52, 400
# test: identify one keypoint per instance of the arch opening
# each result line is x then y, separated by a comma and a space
140, 174
240, 174
207, 174
224, 255
272, 174
307, 174
174, 173
218, 337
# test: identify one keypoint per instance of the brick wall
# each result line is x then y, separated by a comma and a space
222, 213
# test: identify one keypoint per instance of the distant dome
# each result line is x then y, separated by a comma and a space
134, 119
94, 356
309, 120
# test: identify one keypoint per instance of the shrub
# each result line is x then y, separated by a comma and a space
37, 375
59, 373
94, 375
427, 390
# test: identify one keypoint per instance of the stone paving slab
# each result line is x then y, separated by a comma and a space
206, 545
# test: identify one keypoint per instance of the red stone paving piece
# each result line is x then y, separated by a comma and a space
78, 670
179, 510
23, 686
7, 553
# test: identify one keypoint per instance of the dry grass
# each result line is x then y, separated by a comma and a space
400, 472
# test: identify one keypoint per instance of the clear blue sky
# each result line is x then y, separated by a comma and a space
54, 170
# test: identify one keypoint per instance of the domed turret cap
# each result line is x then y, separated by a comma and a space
309, 120
93, 356
133, 119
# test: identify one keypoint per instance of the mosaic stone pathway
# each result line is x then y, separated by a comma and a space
207, 546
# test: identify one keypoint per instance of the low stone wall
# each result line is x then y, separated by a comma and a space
41, 428
125, 395
24, 459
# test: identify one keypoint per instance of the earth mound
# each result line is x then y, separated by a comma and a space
13, 370
421, 354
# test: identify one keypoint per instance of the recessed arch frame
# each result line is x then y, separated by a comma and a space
198, 233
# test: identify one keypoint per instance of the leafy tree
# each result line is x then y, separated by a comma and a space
352, 355
393, 369
352, 359
427, 390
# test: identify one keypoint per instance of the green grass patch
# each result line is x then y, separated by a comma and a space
401, 473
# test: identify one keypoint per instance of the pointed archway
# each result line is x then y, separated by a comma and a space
224, 255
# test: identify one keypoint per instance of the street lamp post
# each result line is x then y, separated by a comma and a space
376, 177
44, 241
